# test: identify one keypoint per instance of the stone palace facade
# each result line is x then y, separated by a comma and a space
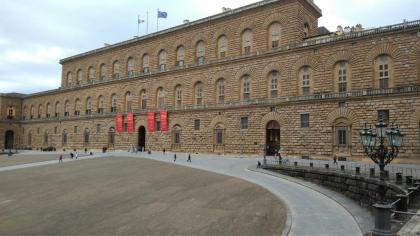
248, 80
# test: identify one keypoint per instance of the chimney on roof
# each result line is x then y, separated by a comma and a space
186, 21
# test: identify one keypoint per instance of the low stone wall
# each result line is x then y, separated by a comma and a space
359, 188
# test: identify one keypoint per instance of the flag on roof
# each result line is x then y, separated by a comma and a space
162, 14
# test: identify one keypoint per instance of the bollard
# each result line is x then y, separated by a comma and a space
386, 174
311, 164
398, 178
402, 205
327, 166
342, 167
295, 163
382, 220
409, 180
357, 170
412, 196
372, 172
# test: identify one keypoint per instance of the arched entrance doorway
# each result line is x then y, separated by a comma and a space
8, 139
142, 138
272, 137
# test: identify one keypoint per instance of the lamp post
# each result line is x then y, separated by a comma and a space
382, 156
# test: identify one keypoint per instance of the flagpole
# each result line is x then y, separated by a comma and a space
138, 25
157, 20
147, 23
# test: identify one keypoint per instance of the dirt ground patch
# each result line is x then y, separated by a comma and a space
133, 196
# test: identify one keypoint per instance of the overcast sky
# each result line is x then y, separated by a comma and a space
35, 35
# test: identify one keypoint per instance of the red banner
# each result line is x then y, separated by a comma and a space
130, 122
119, 124
164, 121
151, 121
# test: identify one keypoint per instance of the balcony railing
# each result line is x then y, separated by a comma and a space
255, 102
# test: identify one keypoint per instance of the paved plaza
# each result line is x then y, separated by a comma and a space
5, 160
133, 196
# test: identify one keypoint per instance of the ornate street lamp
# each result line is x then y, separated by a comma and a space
382, 156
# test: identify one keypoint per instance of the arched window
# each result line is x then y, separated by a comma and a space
176, 136
128, 102
114, 103
305, 80
32, 111
143, 99
77, 107
111, 137
79, 77
67, 108
383, 72
88, 106
341, 77
145, 60
247, 41
219, 135
130, 67
162, 60
25, 112
342, 135
48, 110
86, 135
102, 77
116, 70
69, 79
200, 52
64, 138
46, 138
91, 74
222, 45
39, 111
178, 96
220, 91
274, 35
273, 87
305, 30
246, 88
160, 98
57, 109
29, 138
198, 93
180, 56
101, 104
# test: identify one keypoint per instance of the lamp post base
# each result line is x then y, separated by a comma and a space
382, 220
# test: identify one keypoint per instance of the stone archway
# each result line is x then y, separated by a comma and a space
141, 141
272, 142
9, 139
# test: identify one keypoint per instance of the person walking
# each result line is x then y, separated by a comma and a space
60, 159
164, 150
189, 158
76, 155
71, 155
335, 160
174, 157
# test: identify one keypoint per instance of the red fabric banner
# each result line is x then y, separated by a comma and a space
119, 123
164, 121
151, 121
130, 122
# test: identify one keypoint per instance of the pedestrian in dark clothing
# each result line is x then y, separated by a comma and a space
335, 159
259, 164
164, 150
174, 157
189, 158
60, 159
279, 158
71, 155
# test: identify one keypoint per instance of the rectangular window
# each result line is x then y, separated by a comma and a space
274, 44
125, 127
244, 122
342, 136
342, 78
75, 129
197, 124
383, 115
157, 125
98, 128
219, 137
177, 138
383, 76
304, 120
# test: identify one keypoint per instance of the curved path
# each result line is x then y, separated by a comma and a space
310, 212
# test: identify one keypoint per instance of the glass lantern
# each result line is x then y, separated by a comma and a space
366, 136
381, 129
